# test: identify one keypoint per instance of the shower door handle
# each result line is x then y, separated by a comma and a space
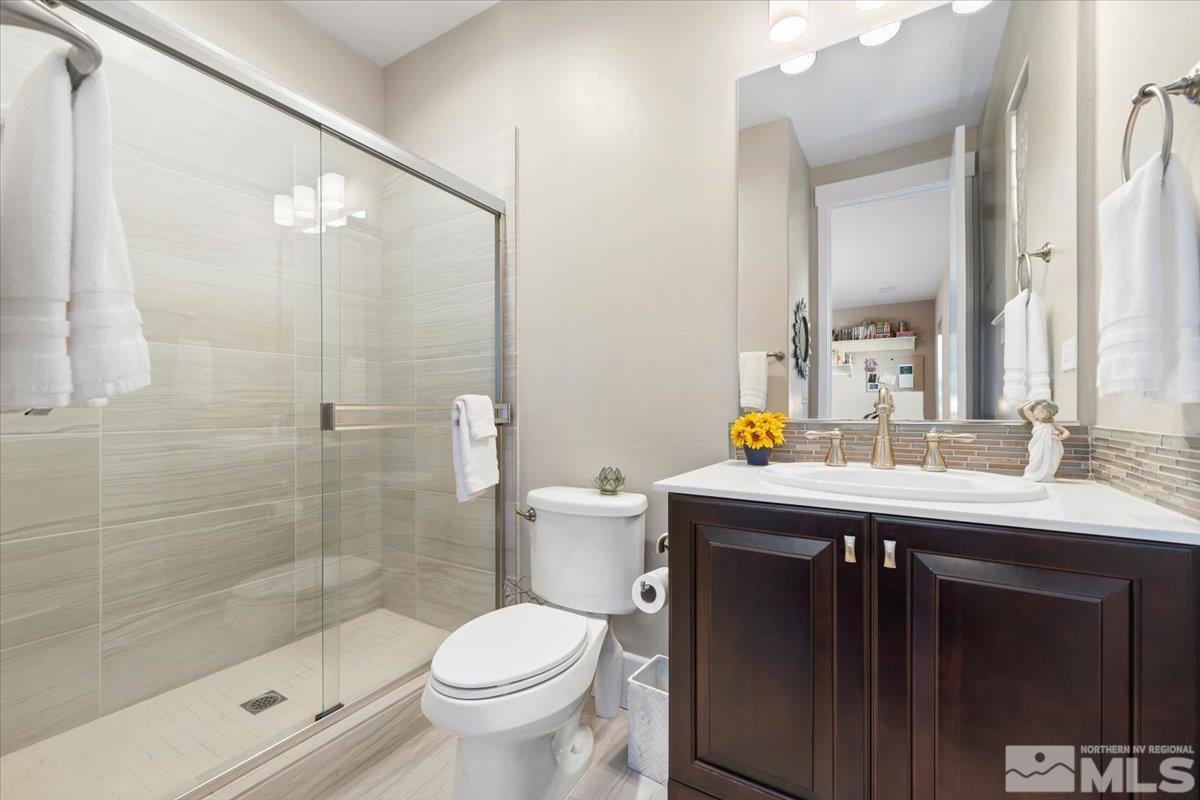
360, 417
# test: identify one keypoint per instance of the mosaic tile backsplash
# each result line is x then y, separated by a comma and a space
1161, 468
1158, 467
998, 448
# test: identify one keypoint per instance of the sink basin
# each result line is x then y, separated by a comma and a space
905, 483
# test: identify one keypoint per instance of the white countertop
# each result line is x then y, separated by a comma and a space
1073, 506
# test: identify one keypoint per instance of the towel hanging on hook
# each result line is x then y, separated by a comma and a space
1044, 252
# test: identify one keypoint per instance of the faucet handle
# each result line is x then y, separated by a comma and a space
835, 456
933, 461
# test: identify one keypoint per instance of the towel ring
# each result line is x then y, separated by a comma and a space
1144, 95
1043, 253
1024, 259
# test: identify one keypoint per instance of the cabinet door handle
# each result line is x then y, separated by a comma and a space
889, 553
851, 557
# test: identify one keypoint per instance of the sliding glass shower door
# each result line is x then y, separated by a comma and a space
408, 322
199, 570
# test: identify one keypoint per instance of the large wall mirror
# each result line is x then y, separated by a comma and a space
894, 203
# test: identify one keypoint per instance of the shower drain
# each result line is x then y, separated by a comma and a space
264, 701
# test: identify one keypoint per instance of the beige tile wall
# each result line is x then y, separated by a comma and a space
178, 530
438, 298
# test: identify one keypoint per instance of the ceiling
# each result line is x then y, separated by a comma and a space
902, 242
384, 30
855, 100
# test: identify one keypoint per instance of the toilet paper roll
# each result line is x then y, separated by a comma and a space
650, 591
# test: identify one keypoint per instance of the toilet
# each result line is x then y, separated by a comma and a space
510, 684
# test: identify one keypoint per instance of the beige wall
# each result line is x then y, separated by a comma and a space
275, 38
1044, 36
1136, 43
765, 179
627, 121
920, 316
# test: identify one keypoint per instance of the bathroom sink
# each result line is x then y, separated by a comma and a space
905, 483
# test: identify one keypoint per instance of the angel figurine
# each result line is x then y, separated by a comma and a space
1045, 446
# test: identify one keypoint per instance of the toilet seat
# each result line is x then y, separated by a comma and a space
508, 650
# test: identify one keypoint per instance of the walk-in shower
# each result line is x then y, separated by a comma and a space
203, 569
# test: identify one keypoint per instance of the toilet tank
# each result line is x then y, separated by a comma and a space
587, 547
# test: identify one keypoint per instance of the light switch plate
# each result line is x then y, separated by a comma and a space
1070, 354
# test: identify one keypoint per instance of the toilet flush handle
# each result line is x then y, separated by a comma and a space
663, 543
529, 513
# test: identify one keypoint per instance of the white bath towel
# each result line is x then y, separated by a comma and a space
108, 351
69, 330
473, 441
35, 240
1150, 287
752, 380
1037, 349
1016, 352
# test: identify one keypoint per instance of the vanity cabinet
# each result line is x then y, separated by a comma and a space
768, 627
809, 669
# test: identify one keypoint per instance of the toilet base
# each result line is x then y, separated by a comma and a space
545, 767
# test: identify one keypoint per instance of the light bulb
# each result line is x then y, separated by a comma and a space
968, 6
284, 211
880, 35
787, 20
794, 66
304, 201
333, 191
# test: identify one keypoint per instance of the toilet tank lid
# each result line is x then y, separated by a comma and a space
586, 502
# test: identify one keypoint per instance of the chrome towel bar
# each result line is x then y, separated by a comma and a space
366, 416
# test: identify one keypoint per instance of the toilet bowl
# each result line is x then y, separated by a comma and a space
511, 684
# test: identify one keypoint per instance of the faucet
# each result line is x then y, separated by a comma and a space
881, 452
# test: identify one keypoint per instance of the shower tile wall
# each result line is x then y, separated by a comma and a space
438, 295
177, 531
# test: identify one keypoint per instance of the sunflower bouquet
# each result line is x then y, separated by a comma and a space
758, 431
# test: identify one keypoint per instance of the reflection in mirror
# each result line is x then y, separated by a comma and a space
903, 193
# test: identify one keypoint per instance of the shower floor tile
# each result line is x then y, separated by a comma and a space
161, 747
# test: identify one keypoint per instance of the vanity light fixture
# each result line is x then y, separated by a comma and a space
333, 191
787, 20
968, 6
880, 35
284, 211
304, 201
794, 66
870, 5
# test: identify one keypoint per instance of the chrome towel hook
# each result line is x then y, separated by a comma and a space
1187, 86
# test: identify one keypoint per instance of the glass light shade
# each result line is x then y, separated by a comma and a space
869, 5
968, 6
787, 20
794, 66
333, 191
877, 36
304, 202
285, 210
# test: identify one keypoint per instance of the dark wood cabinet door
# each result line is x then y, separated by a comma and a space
986, 638
768, 640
